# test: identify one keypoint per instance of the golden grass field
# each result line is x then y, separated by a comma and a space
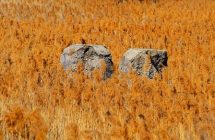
38, 101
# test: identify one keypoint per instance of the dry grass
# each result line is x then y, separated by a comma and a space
38, 100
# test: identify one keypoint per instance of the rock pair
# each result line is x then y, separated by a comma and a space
146, 62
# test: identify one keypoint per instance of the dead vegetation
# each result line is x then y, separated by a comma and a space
39, 101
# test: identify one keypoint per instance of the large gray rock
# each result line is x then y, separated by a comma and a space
91, 56
144, 61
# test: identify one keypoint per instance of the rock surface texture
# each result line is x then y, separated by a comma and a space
91, 56
144, 61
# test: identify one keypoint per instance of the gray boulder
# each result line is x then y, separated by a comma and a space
91, 56
144, 61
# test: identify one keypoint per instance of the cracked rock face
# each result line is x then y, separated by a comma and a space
91, 56
144, 61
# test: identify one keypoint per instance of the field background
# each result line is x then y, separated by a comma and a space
38, 100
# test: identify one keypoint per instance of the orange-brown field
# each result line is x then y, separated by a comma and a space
39, 101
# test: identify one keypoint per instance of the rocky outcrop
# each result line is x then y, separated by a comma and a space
91, 56
144, 61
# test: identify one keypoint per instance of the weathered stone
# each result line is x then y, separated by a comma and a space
144, 61
91, 56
